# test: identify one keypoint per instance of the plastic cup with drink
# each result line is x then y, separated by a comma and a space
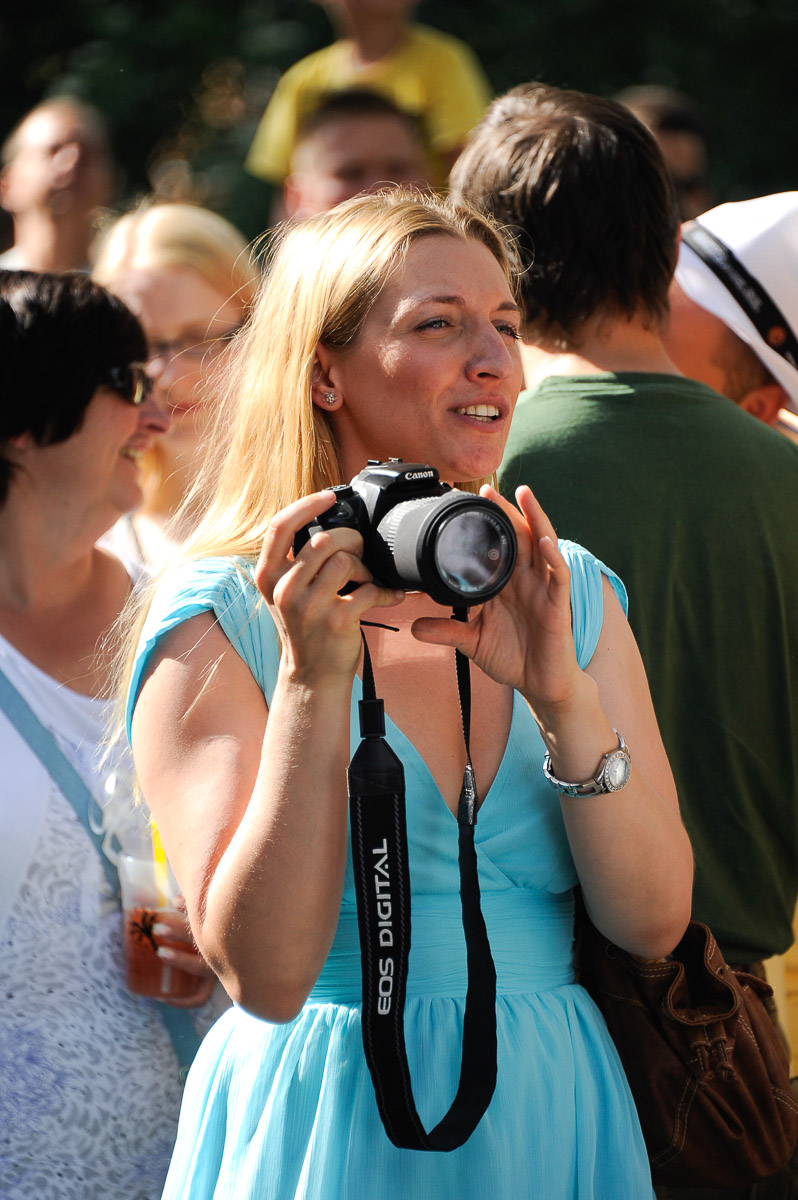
155, 928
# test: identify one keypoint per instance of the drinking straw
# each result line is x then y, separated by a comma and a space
160, 868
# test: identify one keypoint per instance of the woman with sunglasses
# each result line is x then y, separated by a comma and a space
187, 275
90, 1088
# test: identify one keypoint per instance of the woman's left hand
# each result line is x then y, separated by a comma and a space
172, 930
522, 637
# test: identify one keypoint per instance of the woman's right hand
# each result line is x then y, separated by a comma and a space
319, 629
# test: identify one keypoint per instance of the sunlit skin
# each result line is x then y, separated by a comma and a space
440, 343
60, 165
61, 172
92, 478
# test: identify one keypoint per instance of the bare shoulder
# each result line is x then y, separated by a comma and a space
195, 683
197, 732
616, 643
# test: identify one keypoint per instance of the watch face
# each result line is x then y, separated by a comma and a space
617, 770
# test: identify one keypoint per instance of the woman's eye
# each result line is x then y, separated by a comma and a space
436, 323
509, 330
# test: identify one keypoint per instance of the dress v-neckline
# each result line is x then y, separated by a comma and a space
392, 727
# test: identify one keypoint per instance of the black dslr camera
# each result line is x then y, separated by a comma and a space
422, 535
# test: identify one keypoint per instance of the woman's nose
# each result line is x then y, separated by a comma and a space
153, 417
491, 355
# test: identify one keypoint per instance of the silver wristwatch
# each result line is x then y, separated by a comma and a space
613, 774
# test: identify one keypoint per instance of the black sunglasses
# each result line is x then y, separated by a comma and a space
131, 382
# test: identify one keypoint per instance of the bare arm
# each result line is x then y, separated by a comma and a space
252, 805
630, 849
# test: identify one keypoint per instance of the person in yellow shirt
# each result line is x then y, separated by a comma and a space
432, 75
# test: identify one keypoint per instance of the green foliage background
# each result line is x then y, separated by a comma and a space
183, 82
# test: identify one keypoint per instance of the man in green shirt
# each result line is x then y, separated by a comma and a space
690, 499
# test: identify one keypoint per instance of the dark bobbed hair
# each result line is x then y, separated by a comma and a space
59, 334
582, 185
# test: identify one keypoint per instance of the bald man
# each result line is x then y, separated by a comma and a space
57, 171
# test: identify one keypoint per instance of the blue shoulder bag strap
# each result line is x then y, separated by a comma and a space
177, 1021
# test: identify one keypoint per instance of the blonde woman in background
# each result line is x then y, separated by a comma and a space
188, 276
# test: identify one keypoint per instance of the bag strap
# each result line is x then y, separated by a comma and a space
382, 879
177, 1021
57, 765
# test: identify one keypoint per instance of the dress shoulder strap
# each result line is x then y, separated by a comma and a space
587, 597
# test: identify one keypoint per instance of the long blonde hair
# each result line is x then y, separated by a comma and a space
271, 444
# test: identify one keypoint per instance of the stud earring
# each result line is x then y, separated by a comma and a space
330, 398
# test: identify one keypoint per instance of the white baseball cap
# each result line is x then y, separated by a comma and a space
742, 266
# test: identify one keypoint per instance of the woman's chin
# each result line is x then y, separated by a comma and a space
183, 437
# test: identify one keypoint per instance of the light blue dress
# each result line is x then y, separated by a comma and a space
281, 1112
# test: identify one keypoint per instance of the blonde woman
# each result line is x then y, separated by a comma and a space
388, 327
189, 277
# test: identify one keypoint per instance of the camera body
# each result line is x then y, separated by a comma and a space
421, 535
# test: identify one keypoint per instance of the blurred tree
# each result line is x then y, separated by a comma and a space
184, 82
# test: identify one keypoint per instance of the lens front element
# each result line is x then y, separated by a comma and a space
458, 548
472, 552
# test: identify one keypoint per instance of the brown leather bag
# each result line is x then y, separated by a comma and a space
704, 1062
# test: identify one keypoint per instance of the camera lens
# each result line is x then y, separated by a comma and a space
471, 552
457, 547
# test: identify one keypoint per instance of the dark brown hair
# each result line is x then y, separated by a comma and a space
360, 103
59, 334
583, 187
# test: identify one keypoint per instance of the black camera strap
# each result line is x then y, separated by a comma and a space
382, 881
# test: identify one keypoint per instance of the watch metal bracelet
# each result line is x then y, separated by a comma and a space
612, 774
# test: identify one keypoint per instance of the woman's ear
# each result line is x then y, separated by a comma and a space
322, 388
